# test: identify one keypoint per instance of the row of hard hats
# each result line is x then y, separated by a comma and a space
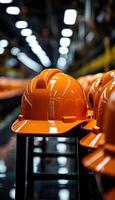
101, 99
11, 87
54, 103
100, 95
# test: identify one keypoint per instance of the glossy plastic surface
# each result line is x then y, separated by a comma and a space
90, 125
110, 87
96, 138
92, 140
102, 84
103, 159
51, 96
91, 94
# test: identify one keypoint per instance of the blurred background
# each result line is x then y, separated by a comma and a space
76, 36
38, 34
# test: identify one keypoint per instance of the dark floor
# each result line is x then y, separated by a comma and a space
43, 190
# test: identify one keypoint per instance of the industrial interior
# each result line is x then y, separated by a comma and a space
57, 100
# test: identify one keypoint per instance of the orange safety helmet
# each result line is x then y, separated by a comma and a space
97, 136
53, 102
103, 159
102, 84
91, 93
100, 87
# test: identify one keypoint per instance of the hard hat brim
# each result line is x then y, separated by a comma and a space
92, 140
100, 162
43, 127
90, 125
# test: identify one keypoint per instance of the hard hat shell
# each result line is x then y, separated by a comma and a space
103, 159
97, 137
91, 93
108, 76
52, 102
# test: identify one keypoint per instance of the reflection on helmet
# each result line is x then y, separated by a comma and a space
53, 95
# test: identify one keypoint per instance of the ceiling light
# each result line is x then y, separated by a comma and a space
26, 32
3, 43
12, 193
63, 181
5, 1
1, 50
31, 38
63, 170
13, 10
61, 62
65, 42
63, 50
70, 16
45, 61
64, 194
28, 62
67, 32
21, 24
15, 51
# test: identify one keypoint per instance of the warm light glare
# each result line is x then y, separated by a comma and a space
70, 16
64, 42
66, 32
21, 24
63, 50
13, 10
26, 32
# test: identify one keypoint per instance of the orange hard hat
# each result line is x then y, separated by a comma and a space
90, 81
97, 136
110, 87
102, 84
94, 94
91, 93
109, 195
53, 102
103, 159
86, 81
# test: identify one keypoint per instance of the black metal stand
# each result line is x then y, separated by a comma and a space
25, 174
20, 167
